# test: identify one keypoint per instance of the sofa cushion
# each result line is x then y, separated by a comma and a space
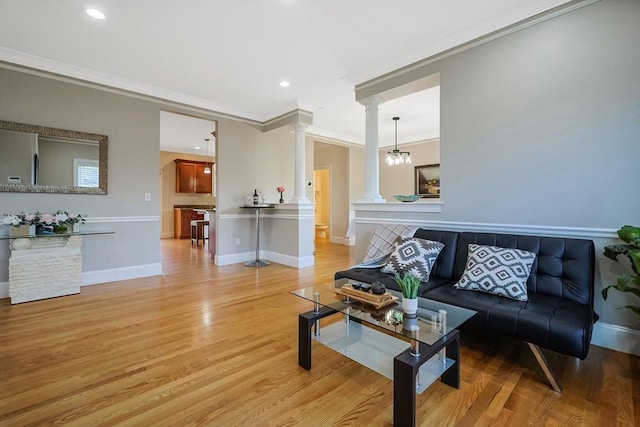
551, 322
381, 242
499, 271
413, 256
444, 266
563, 267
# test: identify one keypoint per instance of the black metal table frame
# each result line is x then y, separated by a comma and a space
405, 364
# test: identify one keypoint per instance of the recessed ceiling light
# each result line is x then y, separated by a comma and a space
95, 13
196, 147
284, 83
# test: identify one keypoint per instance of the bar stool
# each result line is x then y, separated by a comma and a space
199, 226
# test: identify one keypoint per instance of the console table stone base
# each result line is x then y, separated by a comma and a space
42, 268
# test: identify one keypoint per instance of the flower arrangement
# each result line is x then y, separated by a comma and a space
59, 218
280, 189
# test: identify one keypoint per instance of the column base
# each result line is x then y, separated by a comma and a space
257, 263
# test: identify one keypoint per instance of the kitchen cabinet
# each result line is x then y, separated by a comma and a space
182, 218
190, 176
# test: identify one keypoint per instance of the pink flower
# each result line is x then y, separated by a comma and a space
48, 219
280, 189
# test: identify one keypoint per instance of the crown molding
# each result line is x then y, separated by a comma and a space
44, 67
330, 137
380, 84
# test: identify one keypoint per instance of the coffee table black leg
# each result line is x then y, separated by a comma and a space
452, 376
404, 391
405, 370
305, 324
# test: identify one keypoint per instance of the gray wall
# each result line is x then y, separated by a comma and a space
133, 129
17, 150
542, 127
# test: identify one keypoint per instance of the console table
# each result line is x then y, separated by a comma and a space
412, 350
45, 266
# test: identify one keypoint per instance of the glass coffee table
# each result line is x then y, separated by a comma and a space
412, 350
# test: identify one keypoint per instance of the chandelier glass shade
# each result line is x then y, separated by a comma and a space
396, 157
207, 169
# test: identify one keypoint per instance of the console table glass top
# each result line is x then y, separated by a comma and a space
41, 236
425, 326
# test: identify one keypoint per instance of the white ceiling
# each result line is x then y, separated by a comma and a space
229, 56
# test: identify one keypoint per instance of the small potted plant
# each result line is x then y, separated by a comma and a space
409, 285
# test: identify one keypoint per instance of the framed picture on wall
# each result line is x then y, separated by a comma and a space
427, 180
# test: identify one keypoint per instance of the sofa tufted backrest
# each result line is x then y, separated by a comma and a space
563, 267
445, 262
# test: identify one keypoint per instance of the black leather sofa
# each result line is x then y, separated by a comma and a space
559, 314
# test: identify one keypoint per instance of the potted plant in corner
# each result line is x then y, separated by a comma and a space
627, 282
409, 285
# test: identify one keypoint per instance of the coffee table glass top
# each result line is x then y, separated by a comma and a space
424, 326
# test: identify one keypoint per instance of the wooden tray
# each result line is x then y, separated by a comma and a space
378, 301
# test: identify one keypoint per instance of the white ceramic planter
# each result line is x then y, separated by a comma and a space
409, 305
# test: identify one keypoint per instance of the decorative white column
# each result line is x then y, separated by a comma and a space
299, 191
371, 167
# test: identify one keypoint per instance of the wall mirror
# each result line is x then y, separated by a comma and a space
38, 159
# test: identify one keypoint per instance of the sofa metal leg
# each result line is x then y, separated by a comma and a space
542, 361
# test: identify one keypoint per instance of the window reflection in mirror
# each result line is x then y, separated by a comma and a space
41, 159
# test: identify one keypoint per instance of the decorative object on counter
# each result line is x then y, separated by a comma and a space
255, 197
30, 224
395, 156
407, 198
280, 190
409, 285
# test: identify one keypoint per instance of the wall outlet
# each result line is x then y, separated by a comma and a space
147, 197
237, 241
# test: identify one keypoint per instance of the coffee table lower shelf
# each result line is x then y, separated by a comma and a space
376, 350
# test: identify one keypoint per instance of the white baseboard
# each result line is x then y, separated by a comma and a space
618, 338
291, 261
343, 240
236, 258
122, 273
97, 277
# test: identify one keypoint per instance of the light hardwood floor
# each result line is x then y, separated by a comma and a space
207, 345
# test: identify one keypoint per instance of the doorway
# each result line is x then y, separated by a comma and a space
322, 203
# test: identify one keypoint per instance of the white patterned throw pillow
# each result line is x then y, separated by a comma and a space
414, 256
382, 242
498, 271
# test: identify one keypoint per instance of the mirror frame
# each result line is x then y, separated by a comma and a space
103, 145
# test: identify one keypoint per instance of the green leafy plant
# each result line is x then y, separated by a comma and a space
627, 282
408, 283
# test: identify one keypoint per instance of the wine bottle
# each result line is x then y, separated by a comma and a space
255, 197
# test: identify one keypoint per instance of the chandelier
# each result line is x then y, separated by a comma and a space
395, 156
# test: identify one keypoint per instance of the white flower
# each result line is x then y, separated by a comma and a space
11, 220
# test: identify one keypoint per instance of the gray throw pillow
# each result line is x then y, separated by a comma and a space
498, 271
413, 255
382, 241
